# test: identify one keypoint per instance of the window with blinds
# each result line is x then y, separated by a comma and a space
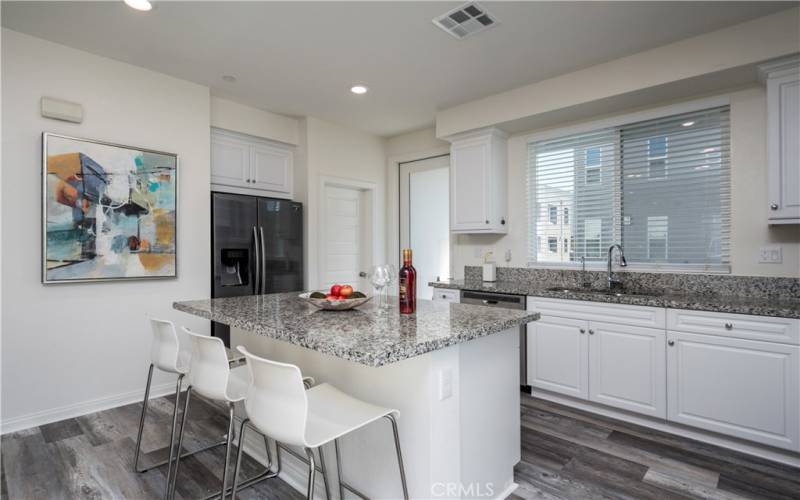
659, 187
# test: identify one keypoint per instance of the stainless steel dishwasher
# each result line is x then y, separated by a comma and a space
508, 301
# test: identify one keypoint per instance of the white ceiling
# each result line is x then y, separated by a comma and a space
300, 58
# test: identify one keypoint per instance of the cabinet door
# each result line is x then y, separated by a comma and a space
271, 169
783, 145
469, 185
230, 161
743, 388
627, 368
558, 356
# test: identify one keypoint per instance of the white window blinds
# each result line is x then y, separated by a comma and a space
659, 187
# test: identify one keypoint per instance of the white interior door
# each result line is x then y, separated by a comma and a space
425, 219
346, 248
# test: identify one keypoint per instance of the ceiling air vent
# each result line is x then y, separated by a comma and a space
465, 20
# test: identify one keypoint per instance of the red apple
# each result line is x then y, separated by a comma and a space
336, 290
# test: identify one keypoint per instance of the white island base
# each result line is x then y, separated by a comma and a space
459, 419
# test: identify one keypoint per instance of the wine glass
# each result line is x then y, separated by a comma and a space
392, 272
380, 278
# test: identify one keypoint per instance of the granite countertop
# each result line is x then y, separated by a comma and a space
368, 335
758, 306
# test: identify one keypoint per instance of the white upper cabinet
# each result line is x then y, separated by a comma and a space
478, 182
271, 168
230, 161
249, 165
783, 139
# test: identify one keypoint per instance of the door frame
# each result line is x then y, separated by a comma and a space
403, 220
371, 188
393, 198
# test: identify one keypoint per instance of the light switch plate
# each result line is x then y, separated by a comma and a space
770, 255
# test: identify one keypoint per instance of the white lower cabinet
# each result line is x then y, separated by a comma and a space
743, 388
731, 374
558, 354
626, 368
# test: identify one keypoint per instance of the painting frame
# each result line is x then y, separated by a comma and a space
45, 138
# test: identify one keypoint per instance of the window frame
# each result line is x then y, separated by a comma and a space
618, 121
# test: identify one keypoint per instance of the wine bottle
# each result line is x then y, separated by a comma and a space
408, 284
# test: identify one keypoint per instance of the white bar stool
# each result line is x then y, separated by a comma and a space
212, 377
168, 355
279, 406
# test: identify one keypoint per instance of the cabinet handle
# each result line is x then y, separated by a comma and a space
774, 206
591, 332
729, 326
671, 343
582, 330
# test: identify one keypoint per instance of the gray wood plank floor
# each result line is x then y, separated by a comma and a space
566, 454
569, 453
91, 457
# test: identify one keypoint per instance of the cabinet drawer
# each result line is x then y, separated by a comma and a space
743, 326
446, 295
651, 317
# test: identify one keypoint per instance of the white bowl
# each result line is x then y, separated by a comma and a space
334, 305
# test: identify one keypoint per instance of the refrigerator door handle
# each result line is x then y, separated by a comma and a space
263, 261
257, 281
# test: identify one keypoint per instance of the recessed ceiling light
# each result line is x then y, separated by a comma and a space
139, 4
359, 89
687, 124
229, 78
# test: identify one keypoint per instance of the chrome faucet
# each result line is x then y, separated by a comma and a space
612, 283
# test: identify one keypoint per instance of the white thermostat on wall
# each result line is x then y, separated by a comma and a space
59, 109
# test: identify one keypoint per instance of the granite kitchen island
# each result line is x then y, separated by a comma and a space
452, 370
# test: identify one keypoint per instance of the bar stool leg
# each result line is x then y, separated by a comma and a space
239, 457
172, 432
399, 455
227, 451
141, 420
171, 490
312, 471
324, 473
339, 468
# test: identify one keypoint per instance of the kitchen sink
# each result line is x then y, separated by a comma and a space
617, 293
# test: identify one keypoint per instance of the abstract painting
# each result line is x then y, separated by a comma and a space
109, 211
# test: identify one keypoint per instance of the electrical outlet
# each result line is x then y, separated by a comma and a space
770, 255
508, 255
445, 384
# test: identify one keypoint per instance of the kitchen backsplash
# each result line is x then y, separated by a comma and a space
710, 284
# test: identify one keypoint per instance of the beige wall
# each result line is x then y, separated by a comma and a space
237, 117
744, 44
73, 348
749, 229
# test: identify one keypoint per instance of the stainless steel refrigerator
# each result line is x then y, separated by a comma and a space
256, 248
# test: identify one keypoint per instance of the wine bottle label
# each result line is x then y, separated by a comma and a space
402, 288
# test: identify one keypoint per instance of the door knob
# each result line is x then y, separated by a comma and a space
729, 326
591, 332
362, 274
582, 330
671, 343
774, 206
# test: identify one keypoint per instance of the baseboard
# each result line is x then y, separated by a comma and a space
507, 492
785, 457
83, 408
